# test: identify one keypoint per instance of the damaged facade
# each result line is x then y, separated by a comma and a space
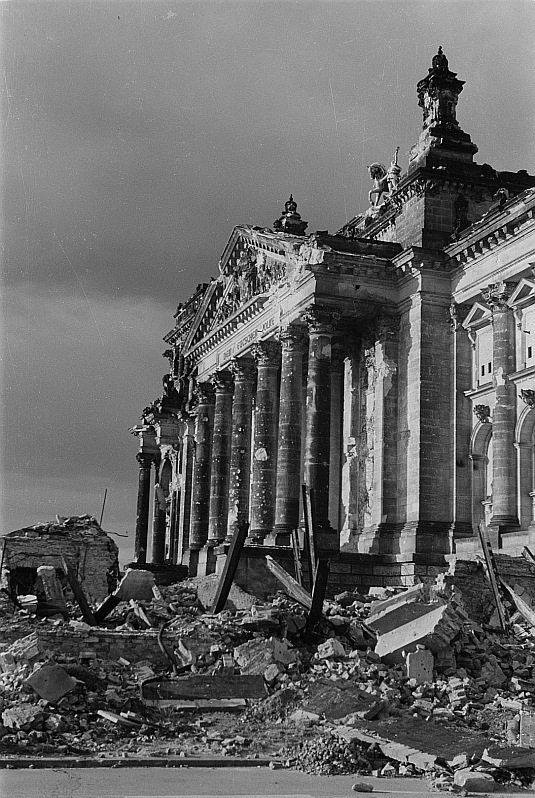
389, 366
91, 553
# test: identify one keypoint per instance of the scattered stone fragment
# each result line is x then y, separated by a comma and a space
474, 781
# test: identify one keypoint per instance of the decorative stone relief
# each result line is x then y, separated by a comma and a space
496, 295
528, 396
482, 412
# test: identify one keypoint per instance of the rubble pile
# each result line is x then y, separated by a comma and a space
397, 682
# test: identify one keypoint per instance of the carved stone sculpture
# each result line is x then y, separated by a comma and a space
482, 412
528, 396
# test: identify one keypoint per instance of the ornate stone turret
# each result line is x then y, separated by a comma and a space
290, 221
437, 96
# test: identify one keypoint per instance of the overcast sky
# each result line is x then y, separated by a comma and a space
137, 134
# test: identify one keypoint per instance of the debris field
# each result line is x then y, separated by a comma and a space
396, 682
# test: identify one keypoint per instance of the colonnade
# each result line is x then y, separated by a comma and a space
256, 433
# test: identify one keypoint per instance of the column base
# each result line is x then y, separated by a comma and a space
501, 525
206, 563
426, 537
281, 536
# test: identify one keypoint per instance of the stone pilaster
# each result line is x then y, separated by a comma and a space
143, 498
265, 441
159, 520
221, 440
186, 488
204, 420
382, 533
288, 482
240, 454
462, 425
318, 412
504, 502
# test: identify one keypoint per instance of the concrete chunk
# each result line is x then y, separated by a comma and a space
433, 630
474, 781
51, 682
136, 584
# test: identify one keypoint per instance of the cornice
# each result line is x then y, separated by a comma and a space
492, 231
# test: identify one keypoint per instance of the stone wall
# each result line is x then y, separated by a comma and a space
93, 558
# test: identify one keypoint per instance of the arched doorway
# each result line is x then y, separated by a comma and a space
481, 456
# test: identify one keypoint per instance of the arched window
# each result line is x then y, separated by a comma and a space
525, 443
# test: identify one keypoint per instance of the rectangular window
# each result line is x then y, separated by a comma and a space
530, 352
484, 355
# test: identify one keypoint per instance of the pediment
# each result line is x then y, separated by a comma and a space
248, 273
523, 293
478, 314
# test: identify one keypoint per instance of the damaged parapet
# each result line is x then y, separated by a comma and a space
79, 539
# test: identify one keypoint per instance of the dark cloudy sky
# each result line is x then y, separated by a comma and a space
136, 134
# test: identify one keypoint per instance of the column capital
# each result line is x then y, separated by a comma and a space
496, 295
222, 382
203, 393
290, 337
319, 320
266, 353
242, 369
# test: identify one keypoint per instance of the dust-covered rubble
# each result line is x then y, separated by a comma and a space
446, 697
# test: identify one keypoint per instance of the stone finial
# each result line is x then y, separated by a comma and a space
439, 62
290, 221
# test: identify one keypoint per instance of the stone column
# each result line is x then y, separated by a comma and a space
318, 413
265, 441
143, 497
335, 467
219, 480
240, 455
204, 419
288, 481
504, 513
159, 520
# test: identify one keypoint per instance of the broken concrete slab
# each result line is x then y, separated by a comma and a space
51, 682
55, 600
136, 584
206, 587
433, 630
340, 699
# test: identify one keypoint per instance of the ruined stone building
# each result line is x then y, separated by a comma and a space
389, 366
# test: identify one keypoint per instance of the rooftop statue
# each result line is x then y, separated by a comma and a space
385, 181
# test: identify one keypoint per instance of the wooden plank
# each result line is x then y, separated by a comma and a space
528, 555
318, 595
231, 564
492, 572
524, 609
310, 537
207, 687
106, 606
297, 558
289, 583
79, 595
